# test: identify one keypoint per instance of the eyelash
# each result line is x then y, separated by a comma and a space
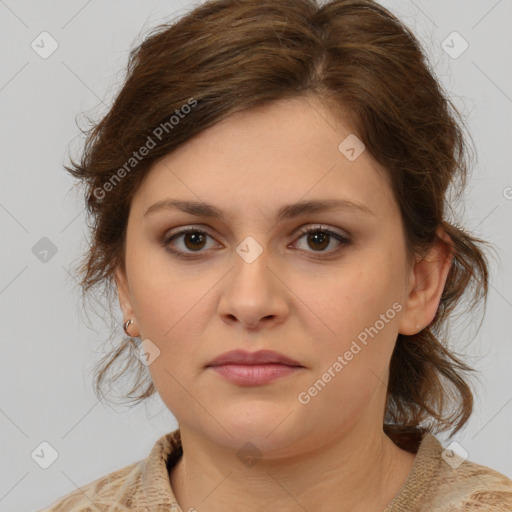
344, 241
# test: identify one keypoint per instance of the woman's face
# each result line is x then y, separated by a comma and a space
252, 279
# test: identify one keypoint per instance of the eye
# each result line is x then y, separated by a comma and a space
194, 240
319, 238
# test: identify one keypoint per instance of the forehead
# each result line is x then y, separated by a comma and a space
262, 158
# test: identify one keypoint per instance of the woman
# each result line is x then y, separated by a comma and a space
269, 200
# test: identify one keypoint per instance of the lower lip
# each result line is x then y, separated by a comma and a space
254, 374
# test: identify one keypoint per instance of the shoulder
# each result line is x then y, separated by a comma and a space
442, 481
460, 484
100, 493
138, 486
472, 486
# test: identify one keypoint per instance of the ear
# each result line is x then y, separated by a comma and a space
426, 285
123, 292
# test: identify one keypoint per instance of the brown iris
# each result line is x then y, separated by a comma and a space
194, 240
318, 237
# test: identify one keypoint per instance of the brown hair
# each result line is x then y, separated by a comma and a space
357, 58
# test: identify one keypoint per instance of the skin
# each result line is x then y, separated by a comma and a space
307, 300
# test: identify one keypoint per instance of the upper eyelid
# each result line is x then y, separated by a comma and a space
300, 230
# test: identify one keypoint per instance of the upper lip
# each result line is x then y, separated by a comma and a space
259, 357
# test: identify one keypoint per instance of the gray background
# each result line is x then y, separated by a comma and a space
49, 348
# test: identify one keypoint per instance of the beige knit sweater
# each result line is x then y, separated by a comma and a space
433, 485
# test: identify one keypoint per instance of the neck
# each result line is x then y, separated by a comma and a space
360, 471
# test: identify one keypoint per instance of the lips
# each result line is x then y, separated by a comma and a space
241, 357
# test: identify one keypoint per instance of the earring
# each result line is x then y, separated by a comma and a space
126, 325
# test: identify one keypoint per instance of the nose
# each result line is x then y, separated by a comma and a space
254, 296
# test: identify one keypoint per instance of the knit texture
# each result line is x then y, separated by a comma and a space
433, 485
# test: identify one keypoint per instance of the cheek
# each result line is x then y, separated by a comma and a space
174, 320
361, 310
164, 297
173, 310
357, 312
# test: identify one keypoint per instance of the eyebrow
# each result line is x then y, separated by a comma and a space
288, 211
